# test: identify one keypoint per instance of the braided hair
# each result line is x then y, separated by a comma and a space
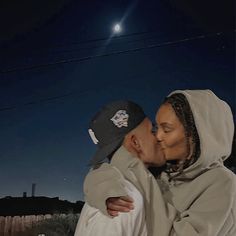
183, 111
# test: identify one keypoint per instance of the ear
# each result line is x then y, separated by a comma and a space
134, 141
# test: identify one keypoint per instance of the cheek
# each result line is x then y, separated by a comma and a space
173, 139
176, 148
149, 147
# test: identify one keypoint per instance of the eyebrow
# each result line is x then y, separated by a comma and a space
166, 124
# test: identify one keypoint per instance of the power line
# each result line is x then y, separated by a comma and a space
111, 43
44, 100
103, 46
79, 60
52, 99
113, 38
103, 39
41, 51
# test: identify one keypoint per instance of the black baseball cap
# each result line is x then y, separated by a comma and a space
109, 126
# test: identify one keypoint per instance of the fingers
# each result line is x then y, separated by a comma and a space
122, 204
127, 199
119, 204
112, 213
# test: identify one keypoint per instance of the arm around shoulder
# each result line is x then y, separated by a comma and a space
102, 183
93, 222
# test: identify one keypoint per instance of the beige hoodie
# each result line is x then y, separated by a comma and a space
200, 201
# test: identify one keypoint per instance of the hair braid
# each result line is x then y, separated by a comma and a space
183, 111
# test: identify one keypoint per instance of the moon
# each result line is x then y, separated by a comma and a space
117, 28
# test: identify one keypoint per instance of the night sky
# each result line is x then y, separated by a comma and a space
60, 62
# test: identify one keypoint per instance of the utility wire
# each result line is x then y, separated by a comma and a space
44, 100
79, 60
53, 98
114, 38
100, 46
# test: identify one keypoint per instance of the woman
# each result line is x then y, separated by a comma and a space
196, 194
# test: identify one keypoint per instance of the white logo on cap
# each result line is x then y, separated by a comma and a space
120, 119
92, 136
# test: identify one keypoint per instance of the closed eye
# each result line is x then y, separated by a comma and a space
167, 129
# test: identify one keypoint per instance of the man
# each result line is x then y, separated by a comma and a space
121, 128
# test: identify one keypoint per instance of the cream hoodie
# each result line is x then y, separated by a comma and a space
93, 223
200, 201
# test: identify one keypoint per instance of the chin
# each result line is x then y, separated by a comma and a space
155, 164
147, 165
169, 158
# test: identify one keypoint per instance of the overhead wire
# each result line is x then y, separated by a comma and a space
103, 46
78, 60
88, 41
82, 59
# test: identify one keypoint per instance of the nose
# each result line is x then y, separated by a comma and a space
158, 135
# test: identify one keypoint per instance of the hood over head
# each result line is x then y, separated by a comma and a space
214, 122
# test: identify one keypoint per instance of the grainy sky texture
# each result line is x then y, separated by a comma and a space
60, 62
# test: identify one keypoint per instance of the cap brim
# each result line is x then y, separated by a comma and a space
102, 153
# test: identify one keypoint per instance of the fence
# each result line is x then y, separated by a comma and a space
16, 225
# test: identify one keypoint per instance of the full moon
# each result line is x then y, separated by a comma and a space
117, 28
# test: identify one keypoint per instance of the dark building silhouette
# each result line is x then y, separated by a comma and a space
19, 206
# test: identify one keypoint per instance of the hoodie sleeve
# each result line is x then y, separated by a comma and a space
102, 183
93, 222
107, 181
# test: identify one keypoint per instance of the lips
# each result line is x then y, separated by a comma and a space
163, 148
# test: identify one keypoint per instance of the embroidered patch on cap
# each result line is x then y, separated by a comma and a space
120, 119
92, 136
